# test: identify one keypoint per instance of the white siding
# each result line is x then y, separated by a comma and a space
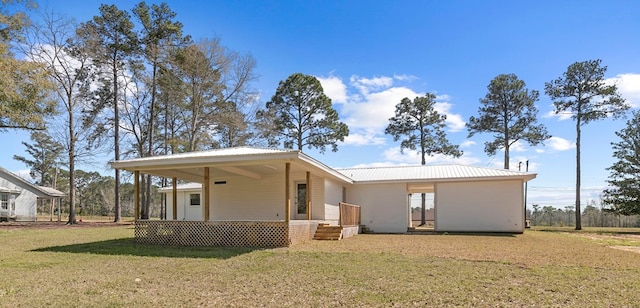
26, 206
243, 198
317, 198
317, 195
169, 198
492, 206
332, 197
25, 202
185, 211
384, 207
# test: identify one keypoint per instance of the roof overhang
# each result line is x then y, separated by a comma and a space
255, 165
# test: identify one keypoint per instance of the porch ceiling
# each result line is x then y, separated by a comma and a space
196, 173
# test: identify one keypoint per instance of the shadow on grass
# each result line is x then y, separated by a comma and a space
128, 247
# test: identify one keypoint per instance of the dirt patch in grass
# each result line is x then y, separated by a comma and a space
620, 241
635, 249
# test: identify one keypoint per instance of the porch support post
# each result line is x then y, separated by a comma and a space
287, 195
136, 194
207, 193
308, 201
174, 198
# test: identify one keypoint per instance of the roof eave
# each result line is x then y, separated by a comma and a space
328, 170
167, 161
524, 178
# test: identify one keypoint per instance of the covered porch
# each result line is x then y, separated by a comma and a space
250, 197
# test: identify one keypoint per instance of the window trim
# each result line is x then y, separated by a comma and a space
191, 199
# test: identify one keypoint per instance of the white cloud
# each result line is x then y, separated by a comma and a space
628, 86
559, 144
517, 146
454, 121
566, 115
404, 77
364, 137
409, 157
467, 143
334, 88
372, 111
25, 174
366, 85
367, 111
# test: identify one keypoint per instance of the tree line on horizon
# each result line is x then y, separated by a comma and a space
133, 79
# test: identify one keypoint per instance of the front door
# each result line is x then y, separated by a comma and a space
301, 201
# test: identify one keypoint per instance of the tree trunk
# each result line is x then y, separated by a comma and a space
423, 196
72, 158
506, 157
578, 216
116, 145
152, 112
506, 142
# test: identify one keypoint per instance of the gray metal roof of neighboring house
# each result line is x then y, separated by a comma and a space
429, 173
41, 191
52, 192
8, 190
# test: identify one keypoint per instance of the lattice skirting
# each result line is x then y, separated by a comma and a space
214, 233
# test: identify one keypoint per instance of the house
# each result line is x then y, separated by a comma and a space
271, 197
19, 198
189, 201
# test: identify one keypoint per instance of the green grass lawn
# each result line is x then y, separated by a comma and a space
102, 266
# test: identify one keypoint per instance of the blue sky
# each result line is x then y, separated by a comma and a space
370, 54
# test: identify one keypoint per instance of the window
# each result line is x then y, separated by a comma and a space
194, 199
4, 201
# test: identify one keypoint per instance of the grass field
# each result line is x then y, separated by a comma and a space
102, 266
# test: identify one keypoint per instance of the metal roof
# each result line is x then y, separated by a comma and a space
51, 192
430, 173
250, 161
9, 190
41, 191
253, 161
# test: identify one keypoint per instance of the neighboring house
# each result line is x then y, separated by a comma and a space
189, 201
287, 194
19, 198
